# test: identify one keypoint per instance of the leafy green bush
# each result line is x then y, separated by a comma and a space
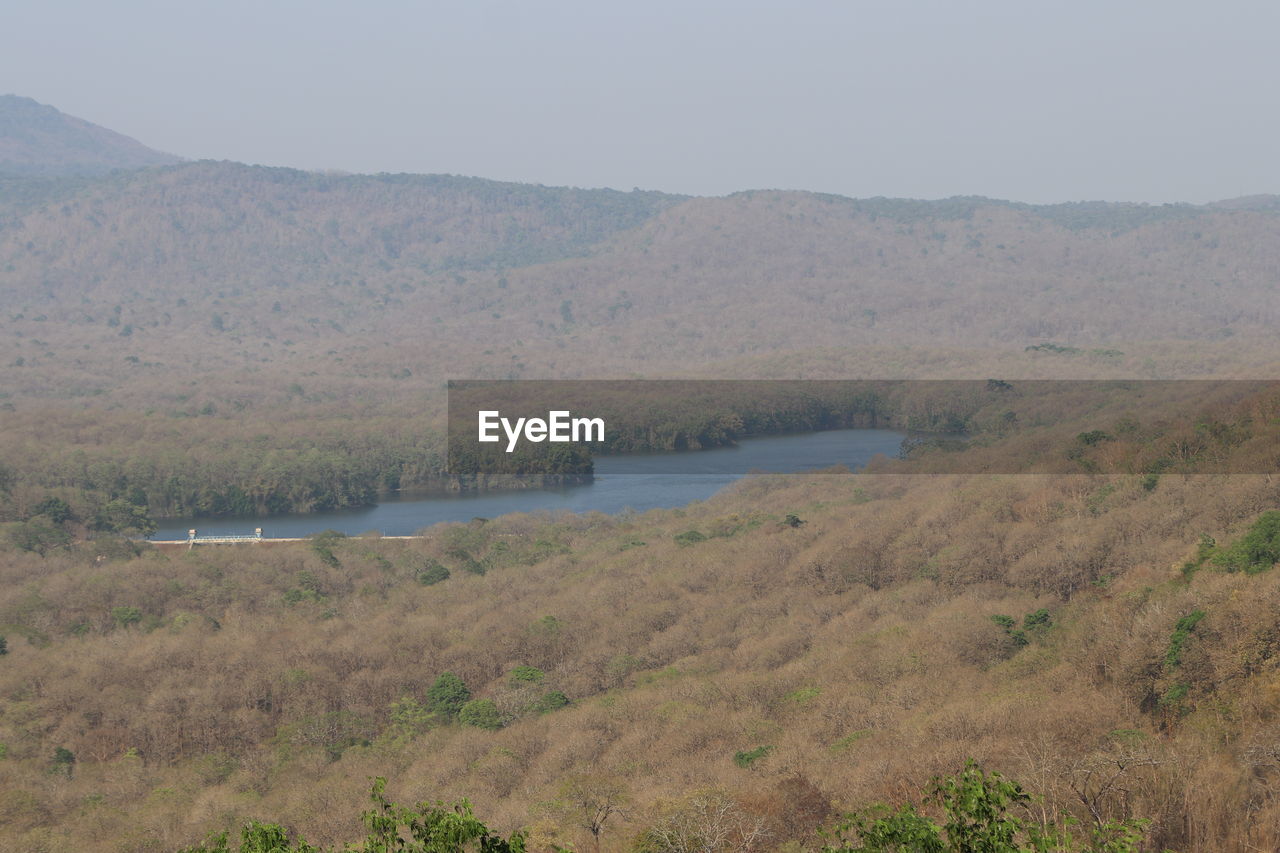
1257, 551
689, 537
126, 616
322, 545
481, 713
63, 760
1204, 550
746, 758
1005, 622
1181, 633
432, 572
1037, 621
525, 675
553, 700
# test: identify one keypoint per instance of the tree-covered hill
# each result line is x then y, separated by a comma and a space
792, 648
210, 267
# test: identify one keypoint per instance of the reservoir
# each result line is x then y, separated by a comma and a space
652, 481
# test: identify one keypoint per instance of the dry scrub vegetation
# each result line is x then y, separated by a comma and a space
719, 670
832, 663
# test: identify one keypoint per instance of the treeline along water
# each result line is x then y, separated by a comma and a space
652, 481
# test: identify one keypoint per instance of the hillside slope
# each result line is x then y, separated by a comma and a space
212, 267
1096, 637
36, 139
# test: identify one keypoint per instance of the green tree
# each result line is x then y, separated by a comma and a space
428, 828
55, 509
39, 535
447, 696
121, 516
981, 814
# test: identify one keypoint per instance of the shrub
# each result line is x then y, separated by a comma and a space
1037, 620
1204, 550
481, 713
1256, 551
126, 616
63, 760
1181, 632
1009, 625
551, 701
689, 537
525, 675
431, 573
746, 758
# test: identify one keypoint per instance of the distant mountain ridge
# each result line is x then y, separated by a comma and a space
203, 267
36, 139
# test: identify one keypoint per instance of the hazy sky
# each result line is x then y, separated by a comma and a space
1035, 101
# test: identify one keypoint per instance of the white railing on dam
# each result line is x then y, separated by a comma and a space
193, 538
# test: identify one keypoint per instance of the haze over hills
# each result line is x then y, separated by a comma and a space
224, 309
211, 266
36, 139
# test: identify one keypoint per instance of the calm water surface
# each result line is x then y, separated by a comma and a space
652, 481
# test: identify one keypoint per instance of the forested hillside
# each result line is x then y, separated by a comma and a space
300, 326
211, 267
787, 651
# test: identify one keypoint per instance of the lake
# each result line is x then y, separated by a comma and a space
651, 481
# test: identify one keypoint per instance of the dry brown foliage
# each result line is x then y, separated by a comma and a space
859, 647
